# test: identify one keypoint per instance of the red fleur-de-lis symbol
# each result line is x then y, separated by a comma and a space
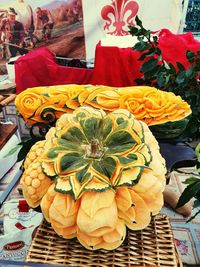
115, 15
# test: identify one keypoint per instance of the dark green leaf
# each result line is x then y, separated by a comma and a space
162, 79
149, 65
138, 21
133, 30
119, 141
191, 218
152, 73
92, 128
196, 204
155, 39
191, 180
26, 146
180, 66
190, 56
181, 78
107, 127
198, 63
139, 81
150, 53
190, 72
172, 68
189, 192
141, 46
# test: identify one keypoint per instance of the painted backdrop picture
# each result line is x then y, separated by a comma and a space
29, 24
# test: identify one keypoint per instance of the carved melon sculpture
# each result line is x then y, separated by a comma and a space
94, 175
165, 113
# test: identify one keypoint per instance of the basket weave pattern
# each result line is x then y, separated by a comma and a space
153, 246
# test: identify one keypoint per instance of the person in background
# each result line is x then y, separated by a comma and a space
13, 32
43, 24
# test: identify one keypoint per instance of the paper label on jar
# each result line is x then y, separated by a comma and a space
14, 246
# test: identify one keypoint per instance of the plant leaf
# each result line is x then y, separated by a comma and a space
190, 191
190, 56
191, 180
196, 204
149, 65
12, 151
141, 46
180, 66
181, 78
138, 21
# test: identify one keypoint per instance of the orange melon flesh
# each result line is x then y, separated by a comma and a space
146, 181
91, 202
142, 212
108, 241
63, 210
153, 201
47, 201
66, 232
104, 217
87, 240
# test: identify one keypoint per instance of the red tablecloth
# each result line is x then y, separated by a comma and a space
113, 66
39, 68
120, 66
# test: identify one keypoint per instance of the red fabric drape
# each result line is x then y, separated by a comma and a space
120, 66
39, 68
113, 66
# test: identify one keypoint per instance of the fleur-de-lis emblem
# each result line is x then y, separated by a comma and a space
119, 14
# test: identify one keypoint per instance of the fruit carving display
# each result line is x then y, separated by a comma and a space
95, 175
165, 112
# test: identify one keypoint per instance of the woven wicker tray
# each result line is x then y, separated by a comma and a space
153, 246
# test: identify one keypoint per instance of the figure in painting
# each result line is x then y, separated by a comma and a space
43, 24
12, 33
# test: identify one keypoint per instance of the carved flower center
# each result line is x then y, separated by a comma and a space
94, 149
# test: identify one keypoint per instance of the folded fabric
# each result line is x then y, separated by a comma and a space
39, 68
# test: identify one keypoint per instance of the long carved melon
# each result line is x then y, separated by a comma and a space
94, 175
153, 106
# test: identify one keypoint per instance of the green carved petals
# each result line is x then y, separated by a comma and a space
74, 135
92, 128
83, 174
106, 166
71, 162
128, 159
69, 146
118, 142
106, 127
48, 169
130, 176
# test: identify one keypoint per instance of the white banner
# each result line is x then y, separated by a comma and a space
102, 17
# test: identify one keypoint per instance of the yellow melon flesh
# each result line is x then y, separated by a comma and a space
105, 217
63, 210
142, 212
91, 202
66, 232
47, 201
153, 201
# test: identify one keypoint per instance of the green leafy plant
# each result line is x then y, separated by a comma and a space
23, 148
166, 76
193, 187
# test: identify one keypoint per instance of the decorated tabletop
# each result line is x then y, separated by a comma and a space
187, 235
